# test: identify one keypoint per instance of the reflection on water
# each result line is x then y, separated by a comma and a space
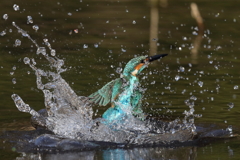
119, 154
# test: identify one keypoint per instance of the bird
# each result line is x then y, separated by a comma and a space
124, 93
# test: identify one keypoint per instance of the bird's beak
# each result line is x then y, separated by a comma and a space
155, 57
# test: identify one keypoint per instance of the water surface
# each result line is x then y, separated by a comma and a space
112, 32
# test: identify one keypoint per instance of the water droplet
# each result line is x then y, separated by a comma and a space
235, 87
24, 34
29, 19
14, 81
177, 77
41, 50
70, 14
3, 33
153, 82
210, 62
230, 105
229, 128
212, 98
123, 50
198, 115
11, 73
53, 52
200, 83
126, 10
183, 91
119, 70
85, 46
193, 98
216, 67
96, 45
182, 69
217, 15
14, 68
26, 60
225, 121
16, 7
195, 33
5, 16
28, 72
75, 30
107, 21
134, 22
35, 27
17, 43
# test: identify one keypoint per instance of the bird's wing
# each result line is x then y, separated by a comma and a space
136, 103
107, 93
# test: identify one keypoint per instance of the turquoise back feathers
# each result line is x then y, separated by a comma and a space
111, 90
124, 93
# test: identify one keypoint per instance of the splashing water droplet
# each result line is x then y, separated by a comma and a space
5, 16
235, 87
29, 19
177, 77
75, 30
17, 43
119, 70
183, 91
24, 34
35, 27
123, 50
184, 38
53, 52
11, 73
14, 81
134, 22
182, 69
41, 50
200, 83
230, 105
3, 33
26, 60
193, 98
229, 129
14, 68
16, 7
153, 82
85, 46
96, 45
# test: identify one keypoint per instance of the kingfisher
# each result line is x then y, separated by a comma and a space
124, 93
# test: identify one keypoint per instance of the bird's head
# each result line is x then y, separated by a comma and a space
136, 65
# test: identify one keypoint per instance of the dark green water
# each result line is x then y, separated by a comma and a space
121, 30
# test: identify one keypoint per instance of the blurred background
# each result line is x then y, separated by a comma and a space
97, 38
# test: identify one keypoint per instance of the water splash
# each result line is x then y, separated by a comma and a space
5, 16
70, 115
16, 7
